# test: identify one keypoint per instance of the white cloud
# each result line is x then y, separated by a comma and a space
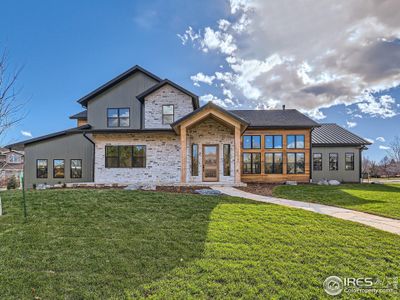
200, 77
351, 124
380, 139
211, 98
384, 147
308, 54
26, 133
369, 140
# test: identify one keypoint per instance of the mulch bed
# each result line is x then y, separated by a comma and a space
263, 189
180, 189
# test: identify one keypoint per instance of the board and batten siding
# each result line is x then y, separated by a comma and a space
342, 174
278, 178
67, 147
122, 95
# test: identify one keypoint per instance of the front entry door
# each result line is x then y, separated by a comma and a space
210, 162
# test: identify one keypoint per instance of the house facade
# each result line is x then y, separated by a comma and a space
139, 128
11, 164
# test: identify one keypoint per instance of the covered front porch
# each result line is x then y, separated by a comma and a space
210, 140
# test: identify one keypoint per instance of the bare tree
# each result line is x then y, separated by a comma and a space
394, 154
10, 107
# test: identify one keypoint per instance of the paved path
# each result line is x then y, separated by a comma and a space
386, 224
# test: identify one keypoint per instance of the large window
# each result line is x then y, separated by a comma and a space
118, 117
349, 161
273, 163
125, 156
227, 160
41, 168
195, 160
317, 161
273, 142
167, 114
251, 142
295, 163
295, 141
76, 168
251, 163
333, 161
58, 168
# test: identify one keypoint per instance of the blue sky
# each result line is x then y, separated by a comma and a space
69, 48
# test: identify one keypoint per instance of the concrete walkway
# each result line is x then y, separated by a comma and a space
386, 224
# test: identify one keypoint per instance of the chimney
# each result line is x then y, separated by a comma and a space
283, 106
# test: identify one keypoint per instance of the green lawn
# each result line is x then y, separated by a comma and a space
80, 244
379, 199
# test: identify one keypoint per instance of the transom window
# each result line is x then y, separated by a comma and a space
251, 163
273, 163
349, 161
251, 142
76, 168
317, 161
167, 114
125, 156
296, 163
295, 141
273, 142
118, 117
41, 168
58, 168
333, 161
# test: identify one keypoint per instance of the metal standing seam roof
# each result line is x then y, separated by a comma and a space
331, 134
290, 118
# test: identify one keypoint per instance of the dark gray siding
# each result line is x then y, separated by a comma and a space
342, 174
67, 147
123, 95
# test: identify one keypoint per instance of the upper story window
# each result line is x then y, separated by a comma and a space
273, 142
295, 141
251, 142
14, 158
167, 114
118, 117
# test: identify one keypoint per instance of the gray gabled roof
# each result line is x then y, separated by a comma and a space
80, 115
195, 98
287, 118
84, 100
330, 134
20, 145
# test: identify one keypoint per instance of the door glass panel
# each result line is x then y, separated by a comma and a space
210, 162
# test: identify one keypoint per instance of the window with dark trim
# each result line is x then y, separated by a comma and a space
295, 163
273, 142
295, 141
333, 162
41, 168
273, 163
195, 160
125, 156
118, 117
168, 114
227, 159
76, 168
317, 161
251, 142
349, 161
58, 168
251, 163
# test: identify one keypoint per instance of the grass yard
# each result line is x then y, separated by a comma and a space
80, 244
379, 199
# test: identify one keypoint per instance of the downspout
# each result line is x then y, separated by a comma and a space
311, 154
360, 165
94, 150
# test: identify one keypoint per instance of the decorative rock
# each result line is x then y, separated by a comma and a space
132, 187
57, 186
334, 182
41, 186
323, 182
208, 192
291, 182
148, 187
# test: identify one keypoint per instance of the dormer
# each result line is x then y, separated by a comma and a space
165, 103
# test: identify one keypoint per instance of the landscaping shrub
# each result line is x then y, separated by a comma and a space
12, 183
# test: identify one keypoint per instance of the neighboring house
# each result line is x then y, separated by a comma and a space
138, 128
11, 164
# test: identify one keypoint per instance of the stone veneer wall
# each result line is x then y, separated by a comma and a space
166, 95
162, 159
211, 132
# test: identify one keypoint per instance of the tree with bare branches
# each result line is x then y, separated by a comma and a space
394, 153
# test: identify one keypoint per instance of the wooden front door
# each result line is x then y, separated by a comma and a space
210, 163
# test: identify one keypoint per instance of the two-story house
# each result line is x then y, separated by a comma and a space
11, 164
138, 128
